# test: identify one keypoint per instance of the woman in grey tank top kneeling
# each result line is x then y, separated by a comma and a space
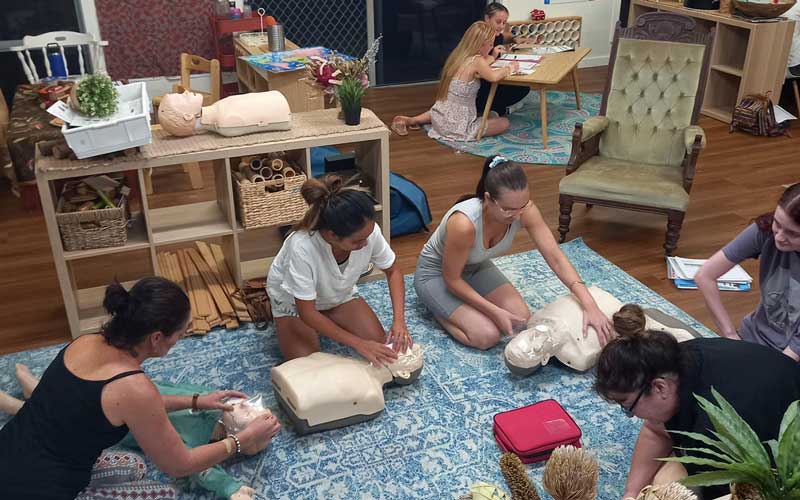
456, 279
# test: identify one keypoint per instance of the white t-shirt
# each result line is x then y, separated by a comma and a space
306, 269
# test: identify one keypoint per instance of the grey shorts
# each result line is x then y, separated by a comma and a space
282, 309
432, 291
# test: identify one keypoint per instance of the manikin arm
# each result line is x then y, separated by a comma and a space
653, 443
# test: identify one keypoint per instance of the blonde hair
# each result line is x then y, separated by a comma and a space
335, 204
476, 35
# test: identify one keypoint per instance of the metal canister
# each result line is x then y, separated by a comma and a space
277, 41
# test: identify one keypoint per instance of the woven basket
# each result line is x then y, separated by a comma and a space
765, 10
101, 228
260, 207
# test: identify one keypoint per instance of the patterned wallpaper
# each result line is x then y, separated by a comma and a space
146, 37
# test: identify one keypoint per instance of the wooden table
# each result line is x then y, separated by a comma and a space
552, 69
300, 95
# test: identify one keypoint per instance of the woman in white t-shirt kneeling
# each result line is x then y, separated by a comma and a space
312, 281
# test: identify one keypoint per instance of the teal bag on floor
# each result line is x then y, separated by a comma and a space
410, 212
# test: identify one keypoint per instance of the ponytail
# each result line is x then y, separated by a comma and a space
336, 205
499, 174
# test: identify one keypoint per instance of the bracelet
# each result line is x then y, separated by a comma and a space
238, 443
195, 396
576, 282
228, 446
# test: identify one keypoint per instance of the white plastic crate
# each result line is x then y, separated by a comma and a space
127, 131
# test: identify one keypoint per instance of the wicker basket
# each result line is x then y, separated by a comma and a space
260, 207
101, 228
764, 10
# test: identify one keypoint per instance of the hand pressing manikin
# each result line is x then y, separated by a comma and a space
184, 114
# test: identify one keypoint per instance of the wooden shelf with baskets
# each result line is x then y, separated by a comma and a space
747, 58
247, 251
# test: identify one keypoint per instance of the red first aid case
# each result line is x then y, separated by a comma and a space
534, 431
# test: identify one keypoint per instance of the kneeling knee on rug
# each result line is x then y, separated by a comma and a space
484, 338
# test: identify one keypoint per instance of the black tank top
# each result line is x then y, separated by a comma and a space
48, 449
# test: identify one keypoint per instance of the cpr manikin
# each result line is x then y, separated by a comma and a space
557, 330
184, 114
324, 391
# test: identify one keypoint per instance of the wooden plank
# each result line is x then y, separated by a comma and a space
239, 307
213, 286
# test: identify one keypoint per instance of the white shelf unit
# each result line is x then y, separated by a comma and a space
247, 252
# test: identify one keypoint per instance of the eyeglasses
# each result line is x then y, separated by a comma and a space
629, 411
510, 212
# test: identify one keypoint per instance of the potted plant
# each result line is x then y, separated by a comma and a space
756, 470
349, 93
95, 96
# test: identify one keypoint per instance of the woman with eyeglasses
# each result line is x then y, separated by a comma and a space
456, 279
653, 377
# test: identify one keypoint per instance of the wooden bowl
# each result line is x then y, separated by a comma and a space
753, 9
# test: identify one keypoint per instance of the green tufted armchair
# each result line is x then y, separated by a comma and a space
641, 152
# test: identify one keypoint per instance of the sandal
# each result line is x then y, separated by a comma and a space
414, 127
399, 127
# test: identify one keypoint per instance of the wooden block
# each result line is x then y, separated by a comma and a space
213, 286
194, 282
229, 284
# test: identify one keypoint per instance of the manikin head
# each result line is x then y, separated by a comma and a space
178, 113
244, 412
496, 14
407, 367
343, 213
532, 348
147, 320
784, 222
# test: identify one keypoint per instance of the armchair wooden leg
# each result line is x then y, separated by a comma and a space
674, 223
566, 216
589, 205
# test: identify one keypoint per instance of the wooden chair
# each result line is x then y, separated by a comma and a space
189, 64
641, 152
61, 39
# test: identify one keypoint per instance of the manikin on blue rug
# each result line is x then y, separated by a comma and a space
435, 437
522, 142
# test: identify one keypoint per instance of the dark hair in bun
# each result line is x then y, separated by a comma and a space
152, 305
335, 204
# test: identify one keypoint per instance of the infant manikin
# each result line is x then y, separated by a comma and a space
184, 114
324, 391
557, 330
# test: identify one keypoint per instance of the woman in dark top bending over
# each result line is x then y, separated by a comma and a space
94, 392
653, 377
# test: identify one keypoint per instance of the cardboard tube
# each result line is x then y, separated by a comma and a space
267, 173
255, 164
253, 176
276, 183
288, 172
277, 164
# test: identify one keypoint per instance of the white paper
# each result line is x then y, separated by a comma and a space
542, 50
530, 58
781, 115
687, 269
62, 110
525, 68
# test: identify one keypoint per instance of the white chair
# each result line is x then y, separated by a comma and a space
62, 39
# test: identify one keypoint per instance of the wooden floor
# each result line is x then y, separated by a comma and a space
739, 177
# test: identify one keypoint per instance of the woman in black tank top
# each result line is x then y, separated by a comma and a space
94, 392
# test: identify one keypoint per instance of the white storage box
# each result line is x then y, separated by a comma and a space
127, 128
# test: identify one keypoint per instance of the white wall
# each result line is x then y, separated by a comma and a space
599, 18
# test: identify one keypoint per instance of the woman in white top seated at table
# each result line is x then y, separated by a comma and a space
312, 281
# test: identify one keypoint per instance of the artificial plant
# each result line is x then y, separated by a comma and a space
739, 457
97, 96
349, 93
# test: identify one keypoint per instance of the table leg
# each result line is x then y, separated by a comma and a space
577, 88
543, 99
492, 92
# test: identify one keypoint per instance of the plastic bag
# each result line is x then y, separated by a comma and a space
244, 411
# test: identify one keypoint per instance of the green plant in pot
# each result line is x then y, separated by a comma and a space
95, 96
768, 470
349, 93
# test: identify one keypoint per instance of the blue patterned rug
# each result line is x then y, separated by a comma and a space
435, 437
522, 142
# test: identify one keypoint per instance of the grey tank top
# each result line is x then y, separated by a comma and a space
430, 259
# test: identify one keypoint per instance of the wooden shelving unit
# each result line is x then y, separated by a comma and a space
747, 58
247, 252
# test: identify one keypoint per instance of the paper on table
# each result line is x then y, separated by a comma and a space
687, 269
781, 115
521, 58
62, 110
525, 68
